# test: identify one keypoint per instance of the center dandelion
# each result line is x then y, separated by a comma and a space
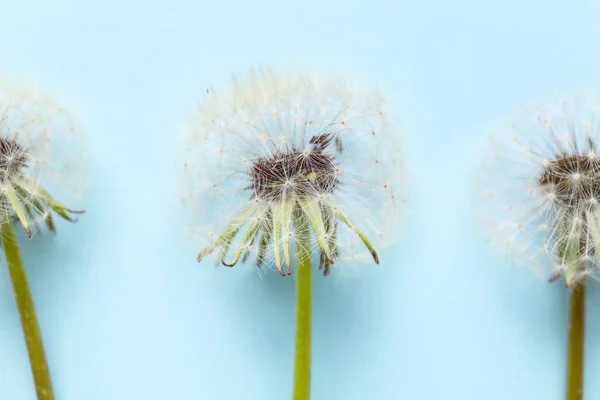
300, 172
290, 189
286, 163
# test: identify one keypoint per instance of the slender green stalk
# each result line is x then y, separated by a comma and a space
29, 323
303, 315
575, 349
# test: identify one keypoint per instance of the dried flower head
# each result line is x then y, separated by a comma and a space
279, 150
542, 189
39, 148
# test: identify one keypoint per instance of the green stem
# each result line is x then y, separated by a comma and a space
303, 315
29, 323
575, 343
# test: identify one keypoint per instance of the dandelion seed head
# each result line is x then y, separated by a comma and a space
545, 212
307, 139
40, 150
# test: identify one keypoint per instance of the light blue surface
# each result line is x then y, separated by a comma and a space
126, 312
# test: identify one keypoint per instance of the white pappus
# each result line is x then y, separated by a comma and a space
279, 150
40, 152
541, 189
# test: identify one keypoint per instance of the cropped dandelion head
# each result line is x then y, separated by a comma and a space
541, 189
39, 155
283, 151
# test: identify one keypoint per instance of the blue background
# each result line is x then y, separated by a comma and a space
126, 312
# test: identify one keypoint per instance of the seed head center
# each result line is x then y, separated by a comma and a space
13, 158
303, 172
574, 179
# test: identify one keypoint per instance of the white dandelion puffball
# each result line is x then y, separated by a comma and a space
279, 150
41, 167
541, 189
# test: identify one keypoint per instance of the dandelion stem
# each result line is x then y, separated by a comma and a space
303, 315
29, 323
575, 343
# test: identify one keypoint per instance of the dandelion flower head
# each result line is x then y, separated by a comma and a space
39, 154
541, 189
278, 150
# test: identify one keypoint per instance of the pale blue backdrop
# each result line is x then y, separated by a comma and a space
127, 313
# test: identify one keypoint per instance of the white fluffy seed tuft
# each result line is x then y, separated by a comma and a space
40, 148
540, 186
283, 117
